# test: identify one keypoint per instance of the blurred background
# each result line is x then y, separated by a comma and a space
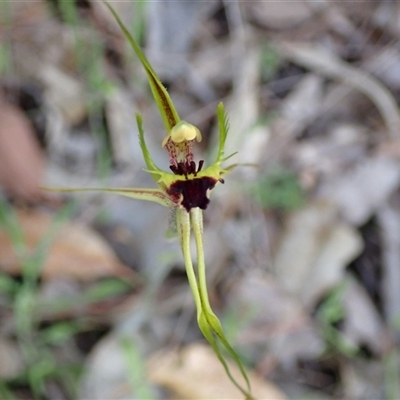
302, 241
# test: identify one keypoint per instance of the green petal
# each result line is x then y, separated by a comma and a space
167, 109
223, 133
151, 166
155, 195
214, 170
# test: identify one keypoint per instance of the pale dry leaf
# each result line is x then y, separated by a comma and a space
124, 9
105, 372
252, 151
278, 14
120, 118
320, 60
213, 63
362, 379
330, 153
302, 105
341, 245
274, 319
20, 17
173, 28
387, 17
385, 64
242, 107
64, 92
196, 373
299, 108
363, 325
360, 191
337, 19
77, 251
314, 249
11, 359
389, 226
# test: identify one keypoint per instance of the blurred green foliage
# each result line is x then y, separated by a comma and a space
278, 189
330, 314
270, 62
22, 298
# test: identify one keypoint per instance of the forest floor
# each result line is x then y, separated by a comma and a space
302, 241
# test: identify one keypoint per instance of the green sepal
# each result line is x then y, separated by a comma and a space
164, 103
210, 325
154, 195
213, 171
208, 322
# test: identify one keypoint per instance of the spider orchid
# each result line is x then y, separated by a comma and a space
186, 189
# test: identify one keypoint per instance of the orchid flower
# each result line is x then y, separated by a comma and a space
186, 188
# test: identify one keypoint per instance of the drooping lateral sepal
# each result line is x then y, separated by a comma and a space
154, 195
208, 322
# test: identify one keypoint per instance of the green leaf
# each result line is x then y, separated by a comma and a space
105, 290
7, 284
57, 334
280, 189
167, 109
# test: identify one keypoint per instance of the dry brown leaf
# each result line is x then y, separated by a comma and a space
21, 160
279, 14
20, 16
196, 373
77, 251
315, 248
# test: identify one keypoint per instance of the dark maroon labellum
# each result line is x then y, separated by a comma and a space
194, 191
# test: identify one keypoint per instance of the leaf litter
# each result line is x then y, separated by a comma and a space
327, 111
